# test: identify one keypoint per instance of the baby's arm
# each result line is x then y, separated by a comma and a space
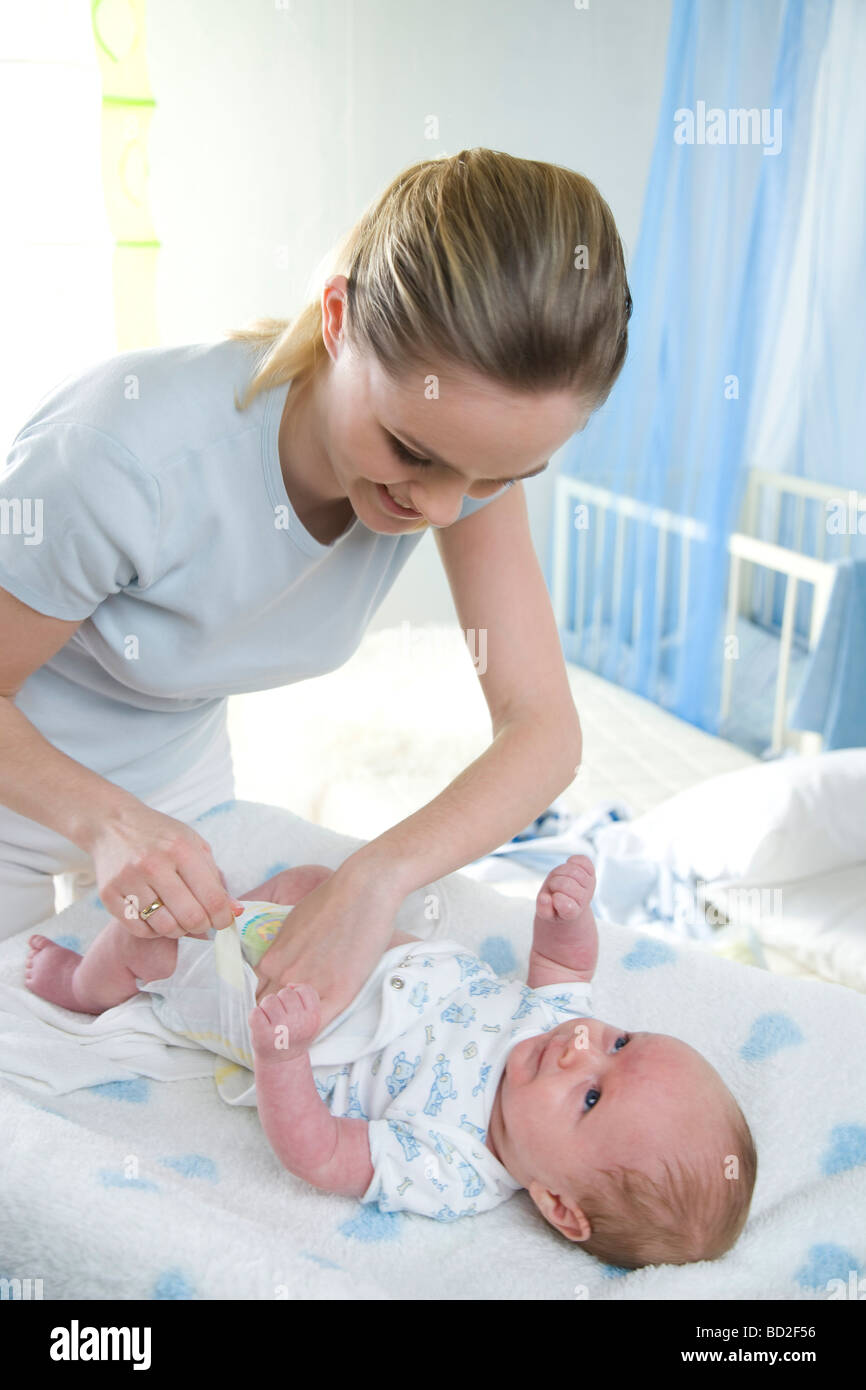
564, 936
327, 1152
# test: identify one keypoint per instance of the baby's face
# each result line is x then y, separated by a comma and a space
588, 1094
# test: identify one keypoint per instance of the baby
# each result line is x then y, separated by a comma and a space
443, 1089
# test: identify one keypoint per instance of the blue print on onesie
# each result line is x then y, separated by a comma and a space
444, 1029
419, 1055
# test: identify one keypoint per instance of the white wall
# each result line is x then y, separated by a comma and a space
277, 122
56, 282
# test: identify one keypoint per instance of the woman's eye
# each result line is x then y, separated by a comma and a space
403, 453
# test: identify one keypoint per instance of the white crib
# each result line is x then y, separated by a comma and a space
758, 565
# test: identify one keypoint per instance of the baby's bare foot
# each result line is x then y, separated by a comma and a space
283, 1025
49, 971
567, 890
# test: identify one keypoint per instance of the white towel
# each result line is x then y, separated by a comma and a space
51, 1051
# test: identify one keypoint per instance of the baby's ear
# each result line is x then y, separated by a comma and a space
562, 1212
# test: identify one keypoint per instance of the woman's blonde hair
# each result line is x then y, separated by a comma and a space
480, 261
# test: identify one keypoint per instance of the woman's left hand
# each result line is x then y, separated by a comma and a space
332, 939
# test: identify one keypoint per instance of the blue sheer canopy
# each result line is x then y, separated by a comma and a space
748, 337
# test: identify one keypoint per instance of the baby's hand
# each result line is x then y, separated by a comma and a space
566, 891
564, 936
283, 1025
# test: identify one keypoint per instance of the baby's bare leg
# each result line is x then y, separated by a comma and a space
105, 975
289, 886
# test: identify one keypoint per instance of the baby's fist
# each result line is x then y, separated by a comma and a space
284, 1024
567, 890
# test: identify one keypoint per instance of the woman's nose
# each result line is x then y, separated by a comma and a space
440, 505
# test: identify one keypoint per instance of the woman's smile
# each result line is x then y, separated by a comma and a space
392, 505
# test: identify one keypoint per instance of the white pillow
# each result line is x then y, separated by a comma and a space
769, 823
819, 922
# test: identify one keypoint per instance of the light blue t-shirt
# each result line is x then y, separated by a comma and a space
138, 498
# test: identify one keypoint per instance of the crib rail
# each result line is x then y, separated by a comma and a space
758, 563
632, 520
796, 569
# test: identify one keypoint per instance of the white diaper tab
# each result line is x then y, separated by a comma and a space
209, 996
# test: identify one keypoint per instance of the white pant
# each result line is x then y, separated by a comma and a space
35, 860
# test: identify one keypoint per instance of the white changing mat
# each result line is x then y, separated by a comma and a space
135, 1187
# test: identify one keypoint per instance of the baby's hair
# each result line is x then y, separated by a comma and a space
693, 1211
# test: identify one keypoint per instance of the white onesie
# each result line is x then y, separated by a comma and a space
419, 1054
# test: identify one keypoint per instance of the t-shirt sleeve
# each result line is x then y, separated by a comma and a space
82, 519
443, 1172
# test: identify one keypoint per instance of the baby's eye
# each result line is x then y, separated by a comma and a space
594, 1091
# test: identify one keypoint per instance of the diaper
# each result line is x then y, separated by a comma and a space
209, 996
212, 992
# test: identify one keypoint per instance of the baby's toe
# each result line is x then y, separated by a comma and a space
36, 945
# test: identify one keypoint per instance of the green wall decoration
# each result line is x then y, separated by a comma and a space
127, 111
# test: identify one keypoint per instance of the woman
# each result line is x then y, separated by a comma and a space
194, 545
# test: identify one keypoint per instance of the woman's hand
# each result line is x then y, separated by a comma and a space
332, 939
140, 855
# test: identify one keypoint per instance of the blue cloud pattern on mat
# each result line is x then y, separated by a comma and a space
320, 1260
192, 1166
847, 1149
498, 952
137, 1090
217, 810
72, 943
646, 953
277, 868
110, 1177
769, 1034
173, 1283
825, 1262
372, 1225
